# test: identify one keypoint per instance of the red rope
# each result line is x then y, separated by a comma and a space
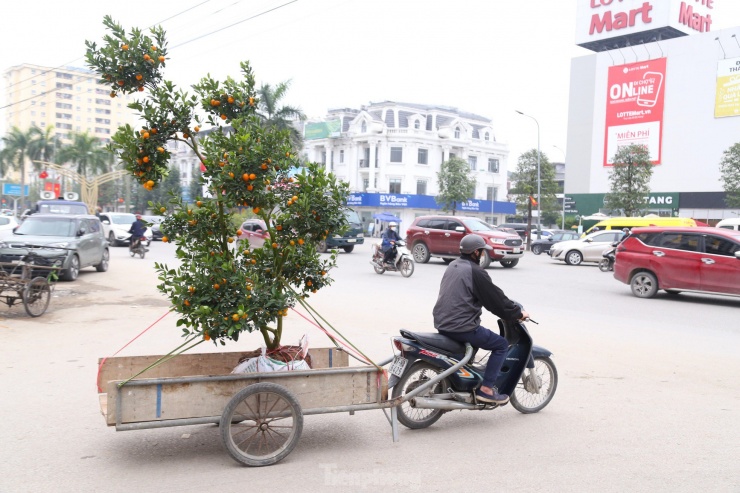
100, 366
344, 343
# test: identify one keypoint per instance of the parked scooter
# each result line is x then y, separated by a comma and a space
402, 261
442, 375
607, 263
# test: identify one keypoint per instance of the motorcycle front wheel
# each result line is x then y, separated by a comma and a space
407, 267
544, 376
604, 265
418, 374
378, 270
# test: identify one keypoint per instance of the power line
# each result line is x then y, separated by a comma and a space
234, 24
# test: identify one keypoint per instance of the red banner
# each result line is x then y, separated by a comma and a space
50, 186
634, 108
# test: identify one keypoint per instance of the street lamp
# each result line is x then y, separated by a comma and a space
539, 199
562, 224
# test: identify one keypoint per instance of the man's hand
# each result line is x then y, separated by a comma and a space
525, 315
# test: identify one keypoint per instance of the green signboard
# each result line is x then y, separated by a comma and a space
322, 130
585, 204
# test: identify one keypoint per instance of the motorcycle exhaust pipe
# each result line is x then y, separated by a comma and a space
447, 405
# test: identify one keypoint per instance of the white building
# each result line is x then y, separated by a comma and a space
663, 81
390, 153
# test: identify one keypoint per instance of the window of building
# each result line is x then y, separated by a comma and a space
457, 132
421, 187
33, 92
429, 122
101, 101
473, 162
323, 158
341, 156
476, 135
363, 128
492, 165
492, 193
396, 154
33, 113
423, 156
394, 185
33, 82
417, 124
365, 184
487, 136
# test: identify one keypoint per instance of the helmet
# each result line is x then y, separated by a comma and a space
138, 216
392, 225
626, 230
471, 243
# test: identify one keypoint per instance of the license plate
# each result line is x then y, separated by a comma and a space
398, 365
516, 250
351, 241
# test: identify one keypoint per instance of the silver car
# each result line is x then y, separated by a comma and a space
588, 249
77, 240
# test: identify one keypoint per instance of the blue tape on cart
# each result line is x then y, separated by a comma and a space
159, 400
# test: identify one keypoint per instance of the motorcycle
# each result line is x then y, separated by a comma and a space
607, 263
402, 261
139, 248
436, 374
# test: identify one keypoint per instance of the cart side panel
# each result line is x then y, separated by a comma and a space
207, 398
121, 368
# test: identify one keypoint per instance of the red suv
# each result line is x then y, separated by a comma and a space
705, 260
439, 236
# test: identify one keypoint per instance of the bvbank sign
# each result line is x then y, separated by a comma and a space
407, 201
632, 21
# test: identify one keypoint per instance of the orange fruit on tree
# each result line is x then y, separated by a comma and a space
154, 130
199, 203
145, 135
274, 245
300, 241
150, 183
235, 317
197, 129
154, 48
230, 99
161, 58
113, 94
250, 187
120, 83
223, 117
160, 149
256, 210
216, 286
139, 76
141, 88
252, 176
230, 240
165, 239
147, 57
162, 210
146, 159
186, 303
206, 337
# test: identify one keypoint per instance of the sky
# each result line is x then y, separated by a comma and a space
489, 57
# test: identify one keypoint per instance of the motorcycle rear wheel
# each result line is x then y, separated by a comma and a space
604, 265
407, 267
419, 374
524, 398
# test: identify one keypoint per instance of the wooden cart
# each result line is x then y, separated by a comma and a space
260, 414
25, 281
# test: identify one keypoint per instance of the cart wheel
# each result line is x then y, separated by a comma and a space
261, 424
36, 296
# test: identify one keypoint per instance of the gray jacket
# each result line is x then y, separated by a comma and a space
465, 289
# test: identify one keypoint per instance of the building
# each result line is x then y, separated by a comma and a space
390, 153
69, 99
659, 76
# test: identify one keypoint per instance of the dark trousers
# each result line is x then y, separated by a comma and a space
483, 338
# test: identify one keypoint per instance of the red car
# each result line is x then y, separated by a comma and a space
701, 259
254, 231
439, 236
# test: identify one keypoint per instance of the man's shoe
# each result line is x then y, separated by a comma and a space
494, 398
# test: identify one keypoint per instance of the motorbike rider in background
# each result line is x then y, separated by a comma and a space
137, 230
465, 289
388, 245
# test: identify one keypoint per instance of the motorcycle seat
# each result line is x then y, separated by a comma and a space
436, 342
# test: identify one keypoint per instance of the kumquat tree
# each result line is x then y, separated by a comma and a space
222, 288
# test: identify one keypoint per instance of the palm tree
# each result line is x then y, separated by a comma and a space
280, 117
44, 145
18, 148
87, 154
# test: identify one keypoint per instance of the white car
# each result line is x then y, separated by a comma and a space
116, 226
588, 249
7, 224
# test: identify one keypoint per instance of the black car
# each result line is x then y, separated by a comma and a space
544, 244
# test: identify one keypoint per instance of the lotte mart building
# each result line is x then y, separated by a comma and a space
660, 76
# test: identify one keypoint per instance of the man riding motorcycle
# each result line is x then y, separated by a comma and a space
137, 230
465, 289
390, 237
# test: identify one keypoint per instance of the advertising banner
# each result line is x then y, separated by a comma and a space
407, 201
727, 101
634, 107
322, 130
